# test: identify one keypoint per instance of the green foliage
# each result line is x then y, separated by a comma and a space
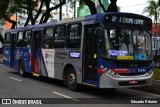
151, 9
156, 73
28, 10
10, 7
3, 7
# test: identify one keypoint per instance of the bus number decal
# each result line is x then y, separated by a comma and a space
141, 70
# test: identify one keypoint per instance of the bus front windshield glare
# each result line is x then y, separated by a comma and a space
126, 44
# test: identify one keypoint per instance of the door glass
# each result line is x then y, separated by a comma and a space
90, 55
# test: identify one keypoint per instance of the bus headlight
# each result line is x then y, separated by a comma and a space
112, 73
149, 73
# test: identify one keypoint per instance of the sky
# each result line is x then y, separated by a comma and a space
133, 6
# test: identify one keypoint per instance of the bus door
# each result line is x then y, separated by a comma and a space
90, 55
12, 49
36, 51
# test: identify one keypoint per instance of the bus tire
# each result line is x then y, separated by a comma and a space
21, 69
71, 79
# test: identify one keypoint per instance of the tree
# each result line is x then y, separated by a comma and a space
32, 9
151, 9
46, 15
111, 8
6, 11
72, 5
91, 5
11, 7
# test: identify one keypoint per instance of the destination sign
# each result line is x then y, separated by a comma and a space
127, 20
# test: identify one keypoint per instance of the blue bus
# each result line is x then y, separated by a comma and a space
108, 50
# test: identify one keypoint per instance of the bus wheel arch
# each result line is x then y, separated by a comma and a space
21, 68
70, 77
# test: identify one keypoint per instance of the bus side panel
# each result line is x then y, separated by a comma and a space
27, 59
12, 58
6, 56
18, 56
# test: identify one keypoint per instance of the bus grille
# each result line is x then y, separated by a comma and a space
129, 74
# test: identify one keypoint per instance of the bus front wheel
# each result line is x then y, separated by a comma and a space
21, 69
71, 79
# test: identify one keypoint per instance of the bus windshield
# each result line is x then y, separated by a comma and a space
125, 44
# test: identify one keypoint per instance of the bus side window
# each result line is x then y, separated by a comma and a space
47, 38
20, 41
74, 36
7, 39
27, 38
59, 37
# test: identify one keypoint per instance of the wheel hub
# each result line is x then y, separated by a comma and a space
71, 79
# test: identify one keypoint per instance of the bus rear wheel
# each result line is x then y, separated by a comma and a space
21, 69
71, 79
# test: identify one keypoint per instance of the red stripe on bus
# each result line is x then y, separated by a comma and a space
120, 70
100, 70
35, 66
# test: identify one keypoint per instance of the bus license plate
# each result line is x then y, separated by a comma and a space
133, 82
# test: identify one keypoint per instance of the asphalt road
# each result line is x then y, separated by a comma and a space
14, 86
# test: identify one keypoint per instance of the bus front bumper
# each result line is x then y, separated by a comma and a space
107, 81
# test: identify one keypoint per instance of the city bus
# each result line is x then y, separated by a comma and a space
107, 50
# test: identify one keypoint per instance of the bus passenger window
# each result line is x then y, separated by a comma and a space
7, 39
48, 38
74, 36
20, 41
59, 37
20, 36
27, 38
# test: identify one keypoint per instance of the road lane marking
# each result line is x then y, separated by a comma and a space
15, 79
65, 96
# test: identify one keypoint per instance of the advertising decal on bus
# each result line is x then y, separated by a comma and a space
48, 56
